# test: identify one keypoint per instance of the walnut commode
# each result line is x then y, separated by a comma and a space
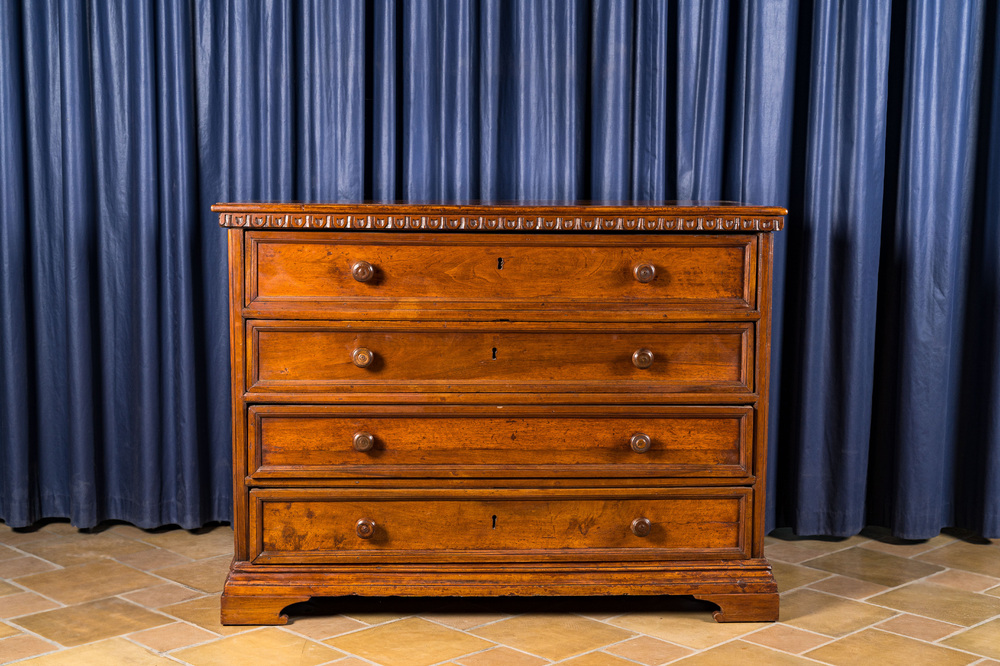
499, 400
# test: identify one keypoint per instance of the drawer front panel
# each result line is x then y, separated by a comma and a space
496, 357
509, 441
327, 526
316, 271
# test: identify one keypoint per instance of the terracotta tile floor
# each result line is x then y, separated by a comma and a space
120, 595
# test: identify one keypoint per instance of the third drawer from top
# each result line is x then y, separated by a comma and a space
493, 441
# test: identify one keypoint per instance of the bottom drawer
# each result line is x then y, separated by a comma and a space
387, 525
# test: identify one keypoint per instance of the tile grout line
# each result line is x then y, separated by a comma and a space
58, 603
147, 648
963, 628
467, 632
888, 588
25, 553
826, 639
179, 620
112, 559
958, 628
168, 580
351, 655
946, 647
766, 647
877, 605
58, 646
616, 656
62, 647
898, 613
215, 635
667, 641
695, 650
913, 638
119, 596
604, 647
252, 629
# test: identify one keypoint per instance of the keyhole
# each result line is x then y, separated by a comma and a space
500, 263
494, 353
494, 522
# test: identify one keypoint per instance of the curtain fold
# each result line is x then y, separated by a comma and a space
16, 424
926, 272
831, 336
329, 99
877, 124
981, 505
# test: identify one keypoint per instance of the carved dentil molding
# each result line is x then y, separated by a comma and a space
498, 222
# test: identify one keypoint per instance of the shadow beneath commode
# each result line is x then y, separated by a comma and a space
385, 609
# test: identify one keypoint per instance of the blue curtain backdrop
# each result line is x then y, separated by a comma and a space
877, 124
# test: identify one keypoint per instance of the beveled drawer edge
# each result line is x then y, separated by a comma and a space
254, 386
397, 397
278, 476
582, 312
463, 494
500, 409
651, 554
740, 470
258, 496
748, 242
535, 483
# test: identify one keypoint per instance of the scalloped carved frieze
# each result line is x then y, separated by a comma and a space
498, 222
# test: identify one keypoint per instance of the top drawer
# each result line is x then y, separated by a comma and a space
339, 275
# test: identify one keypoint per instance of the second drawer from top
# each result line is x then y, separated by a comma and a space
468, 357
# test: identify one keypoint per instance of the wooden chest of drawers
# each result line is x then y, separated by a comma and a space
494, 400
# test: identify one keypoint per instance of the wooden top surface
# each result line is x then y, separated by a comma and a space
662, 216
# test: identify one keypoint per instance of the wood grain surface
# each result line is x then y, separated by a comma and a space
498, 357
296, 273
319, 526
291, 441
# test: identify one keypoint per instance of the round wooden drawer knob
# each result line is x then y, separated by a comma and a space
642, 358
640, 442
641, 527
363, 441
362, 357
365, 528
363, 271
644, 273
